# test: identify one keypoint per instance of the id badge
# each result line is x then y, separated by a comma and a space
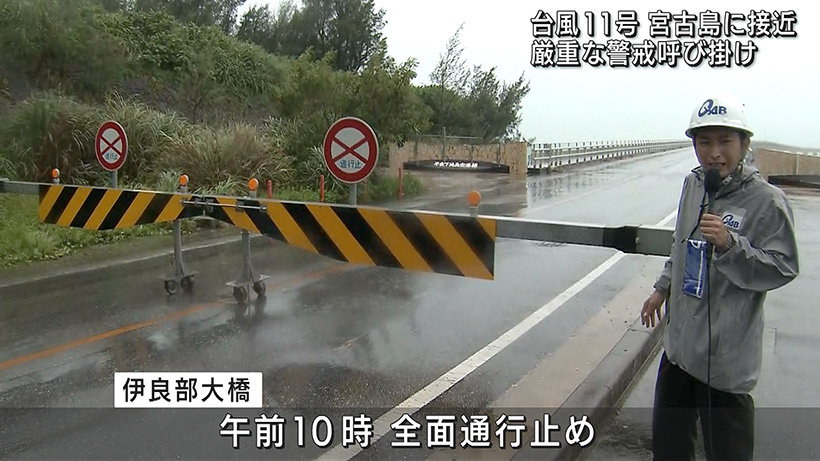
694, 274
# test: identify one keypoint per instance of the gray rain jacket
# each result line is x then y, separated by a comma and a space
763, 257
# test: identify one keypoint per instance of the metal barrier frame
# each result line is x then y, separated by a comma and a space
647, 240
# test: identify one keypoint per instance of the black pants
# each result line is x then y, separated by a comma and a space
680, 399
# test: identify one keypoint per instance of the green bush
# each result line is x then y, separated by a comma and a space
76, 47
198, 71
48, 41
307, 195
411, 185
191, 99
380, 187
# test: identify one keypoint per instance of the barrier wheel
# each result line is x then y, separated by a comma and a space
240, 294
187, 283
259, 288
171, 287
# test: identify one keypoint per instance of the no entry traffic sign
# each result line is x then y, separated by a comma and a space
111, 145
351, 149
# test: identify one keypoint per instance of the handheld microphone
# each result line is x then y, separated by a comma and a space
712, 184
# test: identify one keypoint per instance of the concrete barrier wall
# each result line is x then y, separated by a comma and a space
772, 162
513, 155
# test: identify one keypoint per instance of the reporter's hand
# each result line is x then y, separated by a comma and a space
714, 231
652, 307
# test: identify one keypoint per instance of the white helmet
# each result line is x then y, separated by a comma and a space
719, 111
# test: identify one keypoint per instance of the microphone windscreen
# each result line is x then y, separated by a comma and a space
713, 180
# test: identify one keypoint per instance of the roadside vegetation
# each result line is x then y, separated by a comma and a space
221, 98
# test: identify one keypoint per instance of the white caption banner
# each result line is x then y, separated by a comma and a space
188, 390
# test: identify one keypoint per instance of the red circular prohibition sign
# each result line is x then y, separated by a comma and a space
348, 149
102, 145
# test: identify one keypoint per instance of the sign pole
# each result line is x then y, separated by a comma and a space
114, 179
353, 190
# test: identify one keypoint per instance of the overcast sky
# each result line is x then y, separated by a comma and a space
584, 104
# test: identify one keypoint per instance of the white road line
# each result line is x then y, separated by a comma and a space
415, 402
426, 395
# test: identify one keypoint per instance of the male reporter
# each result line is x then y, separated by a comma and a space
722, 263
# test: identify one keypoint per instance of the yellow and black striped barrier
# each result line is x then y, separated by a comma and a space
102, 208
462, 245
451, 244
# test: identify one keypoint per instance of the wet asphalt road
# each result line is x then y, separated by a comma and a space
327, 335
787, 398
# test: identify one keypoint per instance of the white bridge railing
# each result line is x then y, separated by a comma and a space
550, 155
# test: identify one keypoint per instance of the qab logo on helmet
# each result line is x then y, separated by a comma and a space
709, 108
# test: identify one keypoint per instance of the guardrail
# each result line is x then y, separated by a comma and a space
551, 155
792, 152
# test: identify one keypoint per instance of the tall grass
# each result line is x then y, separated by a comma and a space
23, 238
235, 153
51, 131
7, 168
